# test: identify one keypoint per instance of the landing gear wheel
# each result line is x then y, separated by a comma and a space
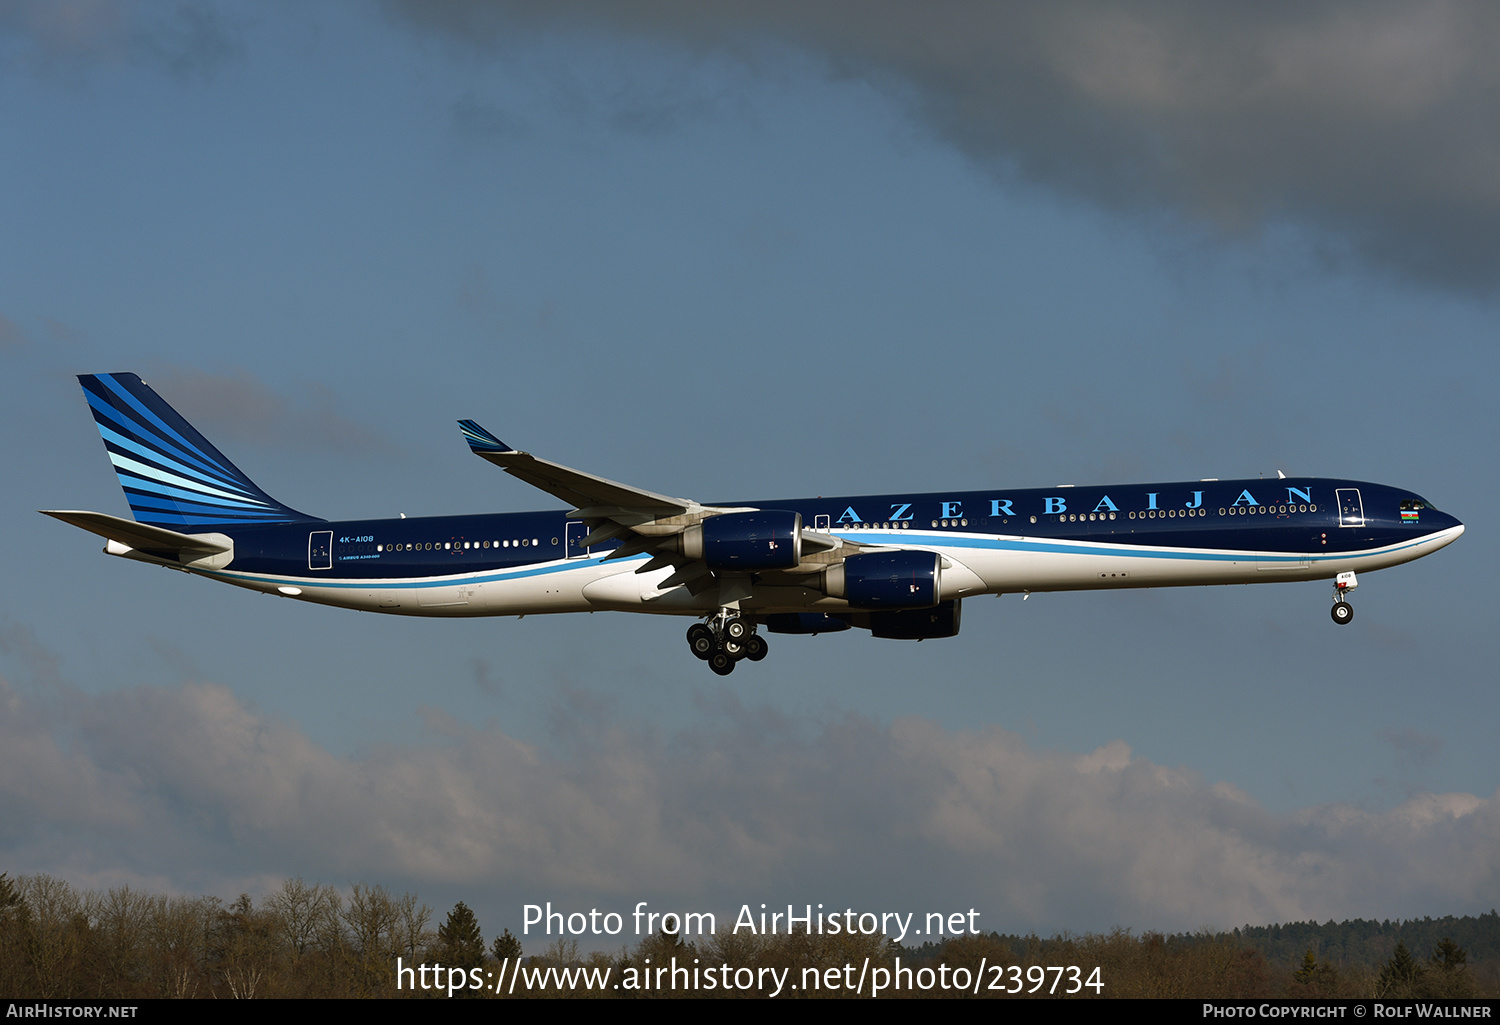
701, 640
735, 649
736, 629
756, 647
1342, 612
721, 663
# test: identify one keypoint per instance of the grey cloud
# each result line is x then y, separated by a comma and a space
45, 787
173, 779
1371, 126
11, 335
59, 331
240, 406
601, 95
188, 40
473, 116
71, 30
486, 679
1414, 749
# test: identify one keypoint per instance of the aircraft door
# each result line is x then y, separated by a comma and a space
320, 549
576, 532
1351, 509
820, 522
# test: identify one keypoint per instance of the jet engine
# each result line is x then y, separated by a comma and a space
803, 623
916, 624
886, 580
748, 541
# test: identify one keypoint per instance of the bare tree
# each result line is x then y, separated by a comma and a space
371, 918
412, 937
55, 935
243, 947
308, 915
178, 930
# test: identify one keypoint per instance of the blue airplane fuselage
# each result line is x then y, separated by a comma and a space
896, 564
1013, 540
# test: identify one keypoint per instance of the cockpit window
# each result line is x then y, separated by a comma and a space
1416, 505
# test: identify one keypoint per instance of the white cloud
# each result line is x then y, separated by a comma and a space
190, 784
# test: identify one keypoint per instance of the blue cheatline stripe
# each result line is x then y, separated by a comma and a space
389, 583
1136, 551
136, 404
542, 569
147, 436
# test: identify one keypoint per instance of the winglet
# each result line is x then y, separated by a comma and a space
481, 440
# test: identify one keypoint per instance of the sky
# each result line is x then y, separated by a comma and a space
749, 251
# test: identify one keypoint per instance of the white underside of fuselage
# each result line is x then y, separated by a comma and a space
974, 564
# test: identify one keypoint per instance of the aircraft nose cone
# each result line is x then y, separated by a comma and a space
1452, 530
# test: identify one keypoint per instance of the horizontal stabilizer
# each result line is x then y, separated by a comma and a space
141, 536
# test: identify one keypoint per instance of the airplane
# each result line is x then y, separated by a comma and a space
898, 565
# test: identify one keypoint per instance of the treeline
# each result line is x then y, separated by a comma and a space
312, 941
1227, 965
303, 940
1369, 943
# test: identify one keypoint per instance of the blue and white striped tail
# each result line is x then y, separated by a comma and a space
172, 476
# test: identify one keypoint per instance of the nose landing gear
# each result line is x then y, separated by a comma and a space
1342, 611
725, 639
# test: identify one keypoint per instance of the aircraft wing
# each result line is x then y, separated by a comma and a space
583, 491
643, 521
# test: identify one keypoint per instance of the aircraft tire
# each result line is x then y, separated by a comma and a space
756, 647
1342, 612
701, 640
721, 663
735, 649
736, 629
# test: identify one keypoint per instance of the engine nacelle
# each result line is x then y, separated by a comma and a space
803, 623
750, 541
917, 624
886, 580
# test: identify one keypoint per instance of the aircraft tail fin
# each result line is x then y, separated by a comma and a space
173, 476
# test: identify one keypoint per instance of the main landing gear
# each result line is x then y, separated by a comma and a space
1342, 611
725, 639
